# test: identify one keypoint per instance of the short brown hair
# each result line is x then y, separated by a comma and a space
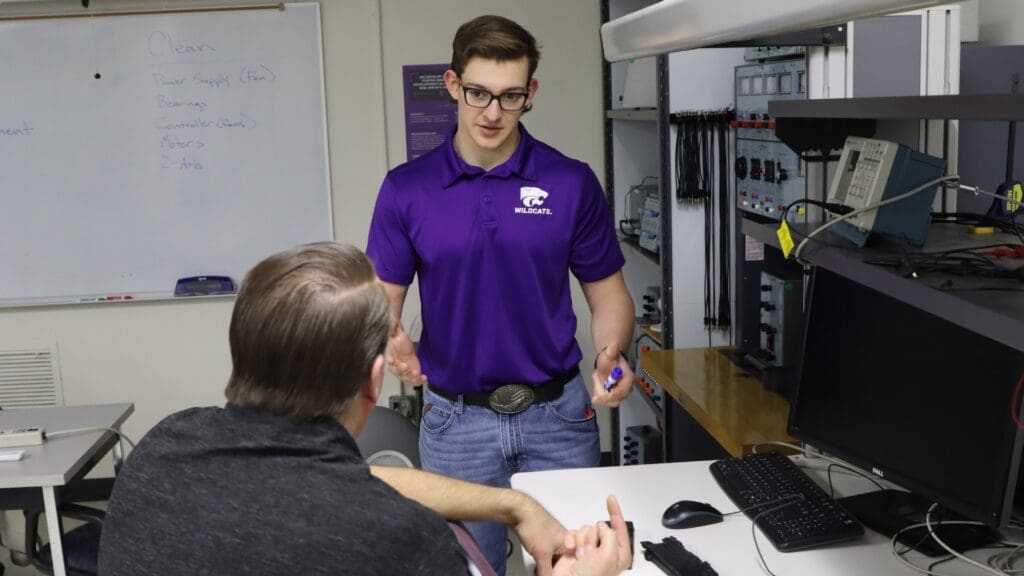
493, 38
306, 328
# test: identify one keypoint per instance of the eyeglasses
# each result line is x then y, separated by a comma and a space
509, 101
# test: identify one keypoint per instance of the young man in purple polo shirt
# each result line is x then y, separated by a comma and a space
493, 222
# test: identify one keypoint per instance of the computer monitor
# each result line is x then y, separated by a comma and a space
915, 398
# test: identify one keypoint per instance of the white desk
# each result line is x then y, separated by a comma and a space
58, 461
576, 497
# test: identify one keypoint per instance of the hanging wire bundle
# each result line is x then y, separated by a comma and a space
701, 155
694, 157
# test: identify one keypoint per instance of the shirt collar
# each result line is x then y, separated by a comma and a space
520, 163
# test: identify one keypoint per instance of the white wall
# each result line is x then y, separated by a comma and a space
567, 110
165, 356
1001, 22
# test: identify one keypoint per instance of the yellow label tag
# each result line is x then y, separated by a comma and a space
785, 239
1014, 197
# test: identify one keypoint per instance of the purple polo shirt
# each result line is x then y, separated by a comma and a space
493, 251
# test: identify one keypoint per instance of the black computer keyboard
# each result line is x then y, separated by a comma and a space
675, 560
760, 482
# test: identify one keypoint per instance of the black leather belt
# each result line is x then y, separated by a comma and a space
513, 398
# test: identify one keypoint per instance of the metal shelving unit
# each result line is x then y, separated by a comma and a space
953, 107
636, 143
991, 307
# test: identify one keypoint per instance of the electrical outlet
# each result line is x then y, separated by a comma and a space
402, 404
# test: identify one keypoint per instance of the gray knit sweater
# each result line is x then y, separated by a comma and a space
246, 491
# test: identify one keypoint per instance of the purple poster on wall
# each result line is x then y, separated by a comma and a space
429, 111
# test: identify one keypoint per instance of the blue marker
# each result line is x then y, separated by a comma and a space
612, 378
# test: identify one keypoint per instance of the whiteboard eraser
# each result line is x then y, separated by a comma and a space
21, 437
204, 286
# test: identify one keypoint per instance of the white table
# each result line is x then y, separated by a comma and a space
576, 497
59, 460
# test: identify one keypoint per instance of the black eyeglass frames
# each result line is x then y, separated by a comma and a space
480, 98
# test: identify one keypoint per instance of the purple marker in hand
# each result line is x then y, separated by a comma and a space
612, 378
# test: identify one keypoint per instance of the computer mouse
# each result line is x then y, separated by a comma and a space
690, 514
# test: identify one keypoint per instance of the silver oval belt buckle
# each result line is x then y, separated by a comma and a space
511, 398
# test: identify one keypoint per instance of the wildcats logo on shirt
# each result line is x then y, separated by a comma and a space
533, 201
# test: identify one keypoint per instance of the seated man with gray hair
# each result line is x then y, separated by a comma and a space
273, 483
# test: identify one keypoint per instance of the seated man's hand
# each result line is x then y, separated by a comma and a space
541, 535
599, 549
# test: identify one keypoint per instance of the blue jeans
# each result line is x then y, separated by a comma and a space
480, 445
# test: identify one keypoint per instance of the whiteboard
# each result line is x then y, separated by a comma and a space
137, 150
